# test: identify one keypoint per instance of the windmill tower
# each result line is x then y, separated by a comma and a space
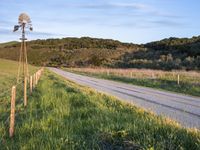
24, 22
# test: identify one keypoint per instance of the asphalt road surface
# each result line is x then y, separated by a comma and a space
184, 109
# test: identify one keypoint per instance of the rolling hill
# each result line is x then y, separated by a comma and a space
167, 54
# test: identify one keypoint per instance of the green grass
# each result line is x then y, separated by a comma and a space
188, 85
8, 73
8, 78
64, 115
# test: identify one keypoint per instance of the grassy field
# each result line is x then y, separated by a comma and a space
8, 78
165, 80
8, 73
64, 115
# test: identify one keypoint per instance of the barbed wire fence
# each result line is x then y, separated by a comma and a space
11, 99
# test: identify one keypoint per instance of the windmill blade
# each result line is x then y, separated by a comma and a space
24, 22
24, 19
16, 27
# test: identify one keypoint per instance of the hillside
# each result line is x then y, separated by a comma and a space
167, 54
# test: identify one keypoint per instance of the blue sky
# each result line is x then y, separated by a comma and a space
136, 21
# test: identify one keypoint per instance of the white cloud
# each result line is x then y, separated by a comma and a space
138, 6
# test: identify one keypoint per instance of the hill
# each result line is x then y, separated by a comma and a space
167, 54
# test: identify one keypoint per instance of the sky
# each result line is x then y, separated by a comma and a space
135, 21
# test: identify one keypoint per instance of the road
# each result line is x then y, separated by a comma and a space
184, 109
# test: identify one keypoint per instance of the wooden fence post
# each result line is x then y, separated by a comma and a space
31, 84
108, 73
178, 80
33, 81
39, 75
36, 78
152, 76
12, 111
25, 91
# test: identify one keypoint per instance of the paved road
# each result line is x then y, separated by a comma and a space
182, 108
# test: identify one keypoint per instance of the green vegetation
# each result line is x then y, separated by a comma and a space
189, 82
8, 43
69, 51
64, 115
8, 73
167, 54
8, 78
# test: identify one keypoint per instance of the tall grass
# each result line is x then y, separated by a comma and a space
166, 80
64, 115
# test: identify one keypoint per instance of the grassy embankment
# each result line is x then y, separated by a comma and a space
8, 78
64, 115
8, 73
165, 80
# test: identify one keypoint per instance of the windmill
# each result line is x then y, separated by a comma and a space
24, 22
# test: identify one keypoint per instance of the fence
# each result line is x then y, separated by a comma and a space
23, 88
178, 77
